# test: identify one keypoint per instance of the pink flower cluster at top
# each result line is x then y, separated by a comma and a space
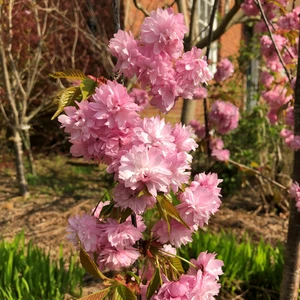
158, 61
224, 70
295, 193
201, 282
224, 116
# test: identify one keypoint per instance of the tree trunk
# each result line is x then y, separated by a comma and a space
20, 164
27, 145
291, 270
188, 111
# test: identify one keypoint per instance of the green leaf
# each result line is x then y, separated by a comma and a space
279, 5
170, 210
65, 98
176, 262
163, 214
97, 296
90, 266
87, 87
122, 292
71, 74
154, 283
107, 209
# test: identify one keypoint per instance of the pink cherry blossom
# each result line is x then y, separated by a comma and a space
178, 235
125, 48
290, 21
117, 235
80, 123
204, 286
198, 128
290, 139
142, 167
266, 79
220, 154
276, 97
295, 193
216, 143
208, 264
174, 290
197, 205
224, 70
224, 115
155, 132
140, 97
127, 198
192, 69
269, 52
250, 8
183, 138
164, 32
115, 259
113, 106
209, 181
84, 230
200, 92
289, 116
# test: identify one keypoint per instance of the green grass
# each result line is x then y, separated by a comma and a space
27, 272
255, 269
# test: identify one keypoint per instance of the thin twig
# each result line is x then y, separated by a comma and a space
116, 14
257, 173
210, 36
140, 7
258, 3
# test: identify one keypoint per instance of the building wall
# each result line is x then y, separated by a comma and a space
229, 44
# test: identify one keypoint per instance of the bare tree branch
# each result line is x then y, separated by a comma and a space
182, 9
140, 7
227, 22
193, 22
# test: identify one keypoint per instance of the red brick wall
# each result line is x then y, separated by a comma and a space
229, 44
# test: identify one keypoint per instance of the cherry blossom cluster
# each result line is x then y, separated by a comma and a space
250, 8
223, 117
295, 193
110, 241
158, 61
150, 160
278, 91
225, 70
201, 281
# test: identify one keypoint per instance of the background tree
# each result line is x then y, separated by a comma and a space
53, 36
22, 50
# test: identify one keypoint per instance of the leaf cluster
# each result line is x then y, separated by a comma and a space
69, 95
